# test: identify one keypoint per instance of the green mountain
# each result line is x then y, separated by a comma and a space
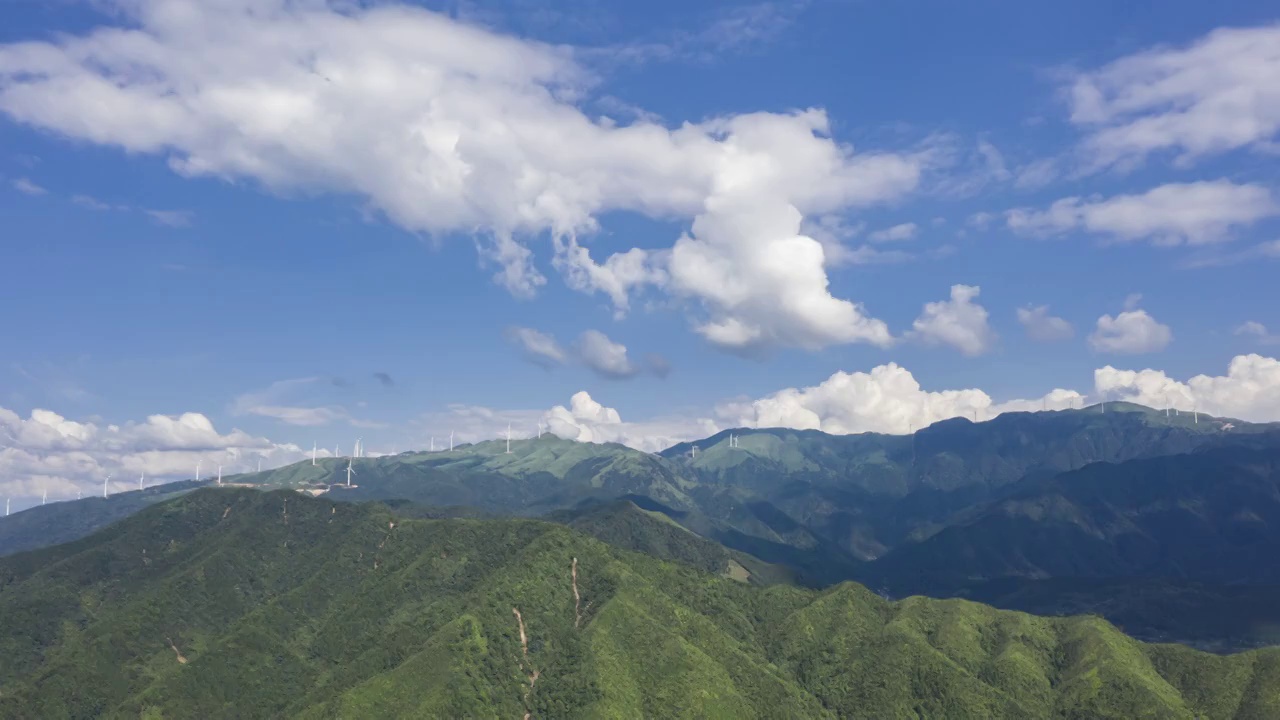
233, 603
868, 493
1210, 516
61, 522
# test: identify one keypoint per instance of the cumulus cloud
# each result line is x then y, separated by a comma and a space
586, 420
604, 356
886, 399
1258, 332
904, 231
1130, 332
1214, 95
48, 452
1249, 391
538, 347
1043, 327
959, 322
445, 127
1198, 213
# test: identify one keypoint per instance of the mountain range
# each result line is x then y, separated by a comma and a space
1136, 514
232, 602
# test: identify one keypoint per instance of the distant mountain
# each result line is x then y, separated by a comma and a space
233, 603
61, 522
868, 493
1212, 516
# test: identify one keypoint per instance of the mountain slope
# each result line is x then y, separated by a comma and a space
1211, 516
232, 603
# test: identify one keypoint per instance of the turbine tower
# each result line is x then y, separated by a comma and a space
141, 477
44, 497
259, 464
197, 471
450, 441
539, 429
219, 474
350, 472
104, 485
6, 507
313, 452
508, 438
433, 443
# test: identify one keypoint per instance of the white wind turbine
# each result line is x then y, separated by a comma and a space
219, 474
450, 441
44, 497
6, 506
141, 477
314, 447
197, 471
508, 438
350, 472
104, 485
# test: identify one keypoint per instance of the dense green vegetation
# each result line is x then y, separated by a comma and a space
1180, 514
1212, 516
236, 603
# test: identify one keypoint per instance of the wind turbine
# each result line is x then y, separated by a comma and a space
219, 474
313, 453
141, 477
44, 498
450, 441
350, 472
433, 443
6, 507
694, 451
508, 438
197, 471
356, 452
259, 464
539, 429
104, 485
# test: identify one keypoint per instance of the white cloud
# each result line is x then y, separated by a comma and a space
1249, 391
171, 218
48, 452
449, 128
279, 401
538, 347
1259, 332
586, 420
605, 357
904, 231
886, 399
1197, 213
1131, 332
89, 202
958, 322
1043, 327
1215, 95
27, 187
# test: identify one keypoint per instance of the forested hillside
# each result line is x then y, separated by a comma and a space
237, 603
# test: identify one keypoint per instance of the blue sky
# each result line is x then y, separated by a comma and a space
142, 282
